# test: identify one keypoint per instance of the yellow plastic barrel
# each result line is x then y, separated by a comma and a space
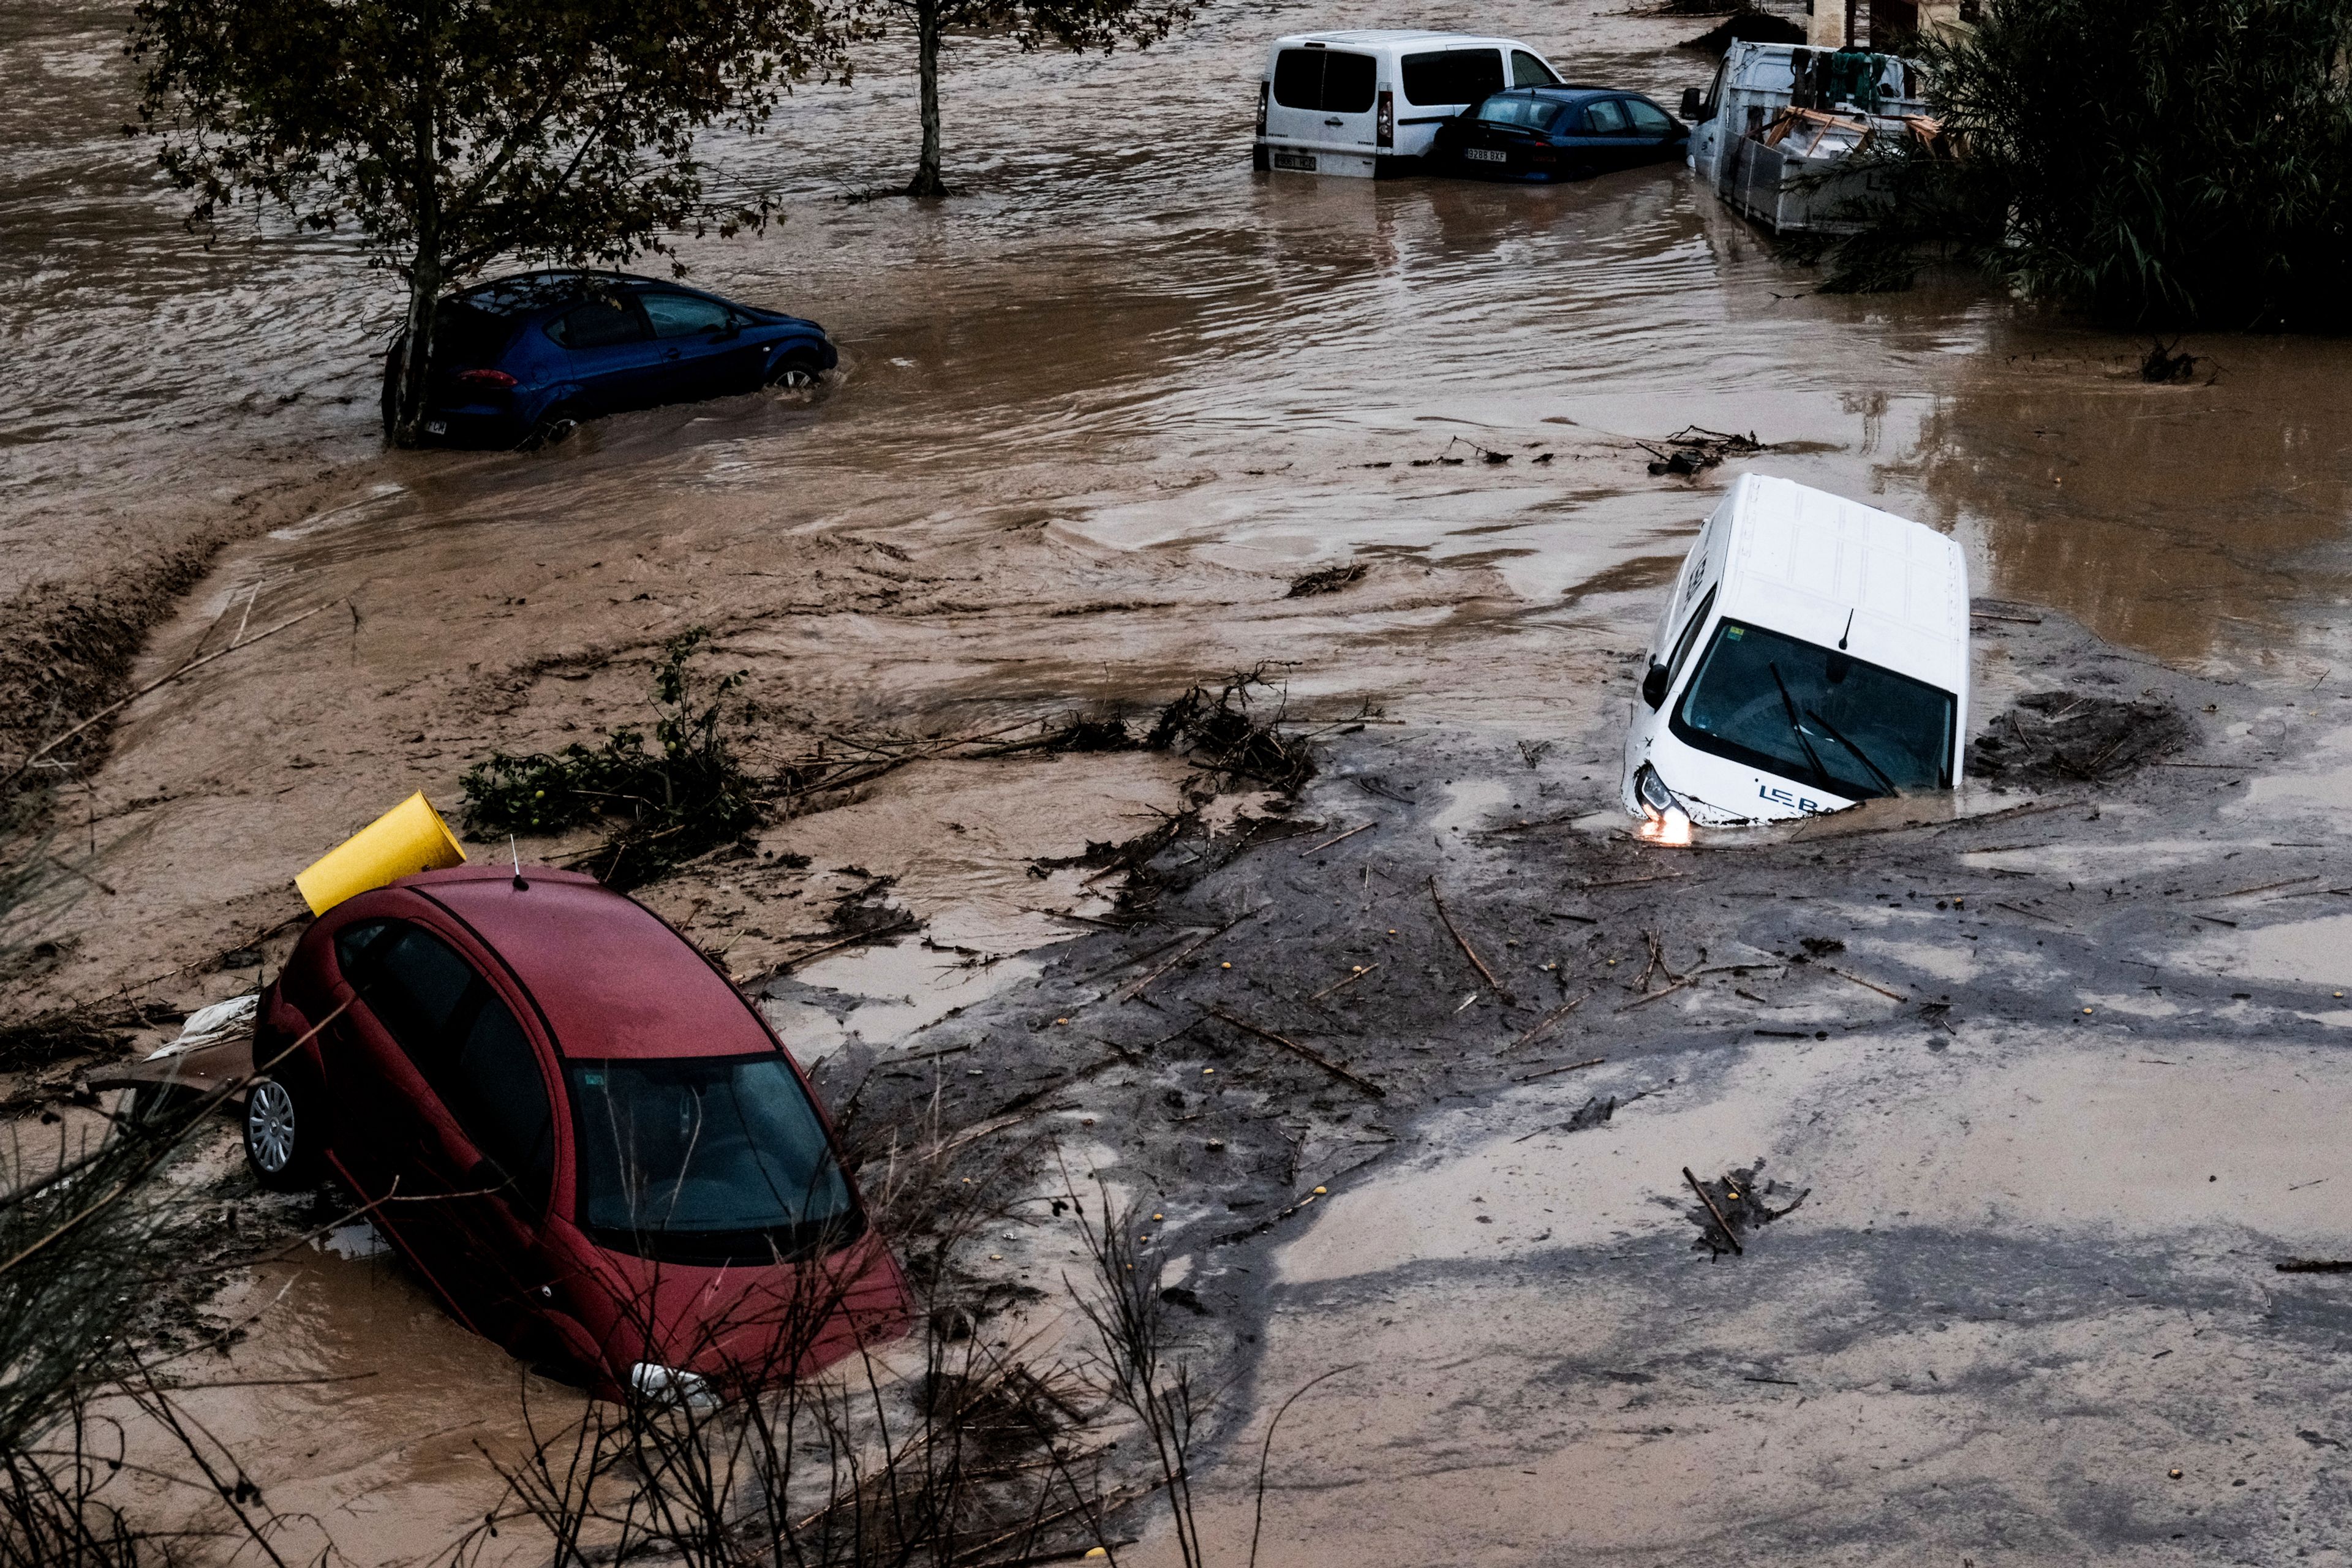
409, 838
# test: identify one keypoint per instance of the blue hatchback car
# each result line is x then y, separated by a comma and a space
1557, 133
521, 360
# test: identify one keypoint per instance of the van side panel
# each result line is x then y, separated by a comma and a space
1299, 139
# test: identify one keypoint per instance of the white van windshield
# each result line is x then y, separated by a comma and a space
1808, 712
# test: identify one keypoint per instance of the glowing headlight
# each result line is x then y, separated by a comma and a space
1652, 792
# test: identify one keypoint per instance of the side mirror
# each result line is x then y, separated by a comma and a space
1653, 684
1694, 104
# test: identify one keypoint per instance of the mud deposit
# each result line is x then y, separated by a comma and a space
1411, 1053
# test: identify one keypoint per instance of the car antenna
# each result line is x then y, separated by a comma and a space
520, 886
1841, 636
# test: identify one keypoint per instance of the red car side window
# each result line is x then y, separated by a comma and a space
468, 1046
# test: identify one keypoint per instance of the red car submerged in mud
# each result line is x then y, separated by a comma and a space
574, 1127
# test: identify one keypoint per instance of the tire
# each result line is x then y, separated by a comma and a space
797, 370
555, 427
283, 1129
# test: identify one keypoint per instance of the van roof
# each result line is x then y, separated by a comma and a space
1820, 567
1373, 37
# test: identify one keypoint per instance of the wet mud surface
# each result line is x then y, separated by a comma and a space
2057, 1076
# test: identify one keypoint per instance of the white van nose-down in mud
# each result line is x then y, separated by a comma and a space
1814, 654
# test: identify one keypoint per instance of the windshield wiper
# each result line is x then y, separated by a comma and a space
1796, 726
1860, 755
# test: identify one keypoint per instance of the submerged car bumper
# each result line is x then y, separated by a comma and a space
472, 425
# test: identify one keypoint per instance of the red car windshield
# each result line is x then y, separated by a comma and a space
706, 1161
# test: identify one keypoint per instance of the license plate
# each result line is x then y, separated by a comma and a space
1485, 154
436, 428
1300, 162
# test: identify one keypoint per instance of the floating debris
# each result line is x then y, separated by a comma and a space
1735, 1206
1329, 580
1693, 449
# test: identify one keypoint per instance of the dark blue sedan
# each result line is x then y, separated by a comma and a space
1557, 133
521, 360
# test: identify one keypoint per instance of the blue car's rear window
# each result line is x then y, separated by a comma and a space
465, 338
1535, 113
598, 323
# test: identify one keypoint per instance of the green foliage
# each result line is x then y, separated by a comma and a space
2157, 161
449, 134
668, 801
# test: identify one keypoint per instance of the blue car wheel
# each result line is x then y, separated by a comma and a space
554, 428
796, 370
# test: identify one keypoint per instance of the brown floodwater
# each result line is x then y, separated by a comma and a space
1094, 415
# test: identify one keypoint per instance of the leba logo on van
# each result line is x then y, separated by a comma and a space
1784, 797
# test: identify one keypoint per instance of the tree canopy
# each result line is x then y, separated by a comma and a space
451, 134
2161, 162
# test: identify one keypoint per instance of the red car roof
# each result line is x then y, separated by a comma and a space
612, 978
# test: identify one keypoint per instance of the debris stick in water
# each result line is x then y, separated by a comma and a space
1493, 983
1350, 979
1325, 1063
1360, 828
1546, 1020
1555, 1072
1866, 985
1140, 986
54, 741
1717, 1212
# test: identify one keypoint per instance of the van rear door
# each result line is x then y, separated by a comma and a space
1322, 99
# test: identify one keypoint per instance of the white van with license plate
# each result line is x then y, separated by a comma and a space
1814, 654
1367, 103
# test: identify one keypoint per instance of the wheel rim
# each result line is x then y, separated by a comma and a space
794, 378
269, 1126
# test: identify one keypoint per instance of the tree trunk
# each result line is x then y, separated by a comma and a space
415, 351
425, 275
926, 181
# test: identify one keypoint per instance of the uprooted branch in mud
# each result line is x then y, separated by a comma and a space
688, 791
670, 803
1223, 734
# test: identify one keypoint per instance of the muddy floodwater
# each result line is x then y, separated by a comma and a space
1096, 416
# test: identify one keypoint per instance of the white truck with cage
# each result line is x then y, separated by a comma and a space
1773, 134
